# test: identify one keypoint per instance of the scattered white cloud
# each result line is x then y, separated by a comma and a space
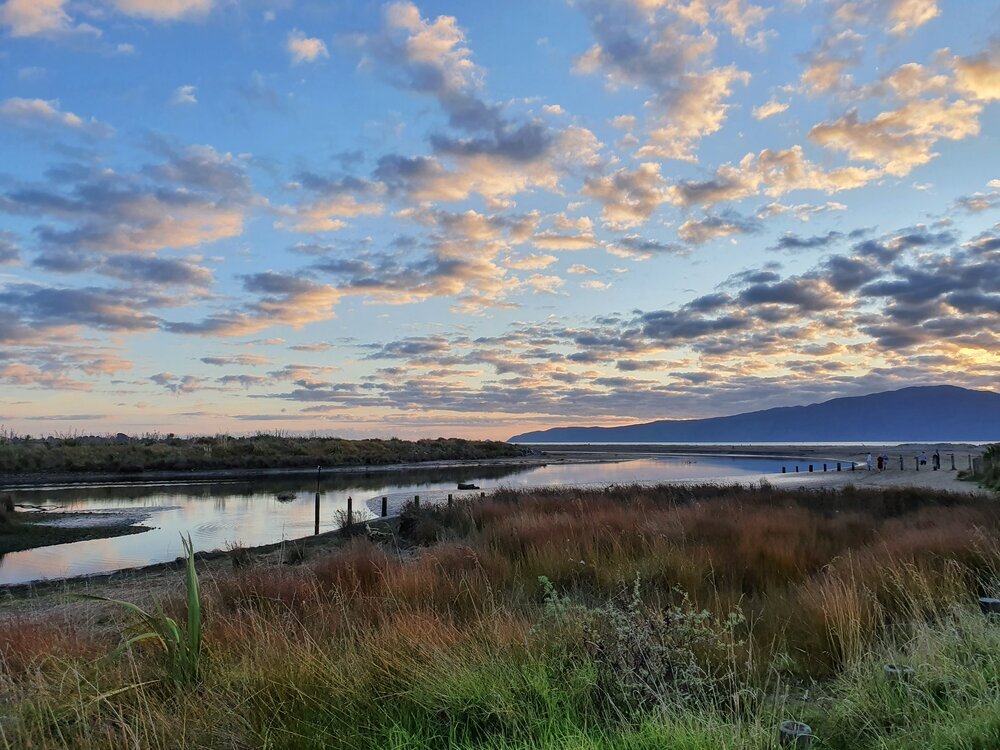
769, 109
184, 95
33, 112
305, 49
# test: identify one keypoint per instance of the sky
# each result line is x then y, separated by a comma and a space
476, 218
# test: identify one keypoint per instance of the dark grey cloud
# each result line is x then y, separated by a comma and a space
104, 309
523, 142
791, 241
9, 250
846, 274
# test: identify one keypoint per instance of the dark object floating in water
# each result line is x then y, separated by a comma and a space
467, 486
284, 497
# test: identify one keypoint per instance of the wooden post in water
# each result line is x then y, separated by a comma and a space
916, 462
450, 500
416, 502
783, 470
838, 465
350, 510
810, 468
824, 467
385, 506
970, 462
901, 463
318, 471
953, 462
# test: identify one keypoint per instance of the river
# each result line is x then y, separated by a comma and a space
249, 513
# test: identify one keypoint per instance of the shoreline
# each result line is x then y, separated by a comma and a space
9, 482
944, 480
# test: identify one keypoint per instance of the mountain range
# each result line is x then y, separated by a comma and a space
917, 414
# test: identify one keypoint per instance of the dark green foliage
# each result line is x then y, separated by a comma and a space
261, 451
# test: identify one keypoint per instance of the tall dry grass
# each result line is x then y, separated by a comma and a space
442, 636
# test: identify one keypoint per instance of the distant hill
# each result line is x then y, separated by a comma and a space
919, 414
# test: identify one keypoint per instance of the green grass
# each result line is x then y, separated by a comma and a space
668, 617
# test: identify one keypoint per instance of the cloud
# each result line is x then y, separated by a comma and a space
242, 360
770, 108
531, 262
629, 197
900, 140
9, 251
281, 299
774, 173
45, 18
700, 231
697, 110
665, 48
165, 10
906, 15
790, 241
305, 49
30, 113
104, 309
184, 95
334, 199
195, 196
978, 76
430, 58
642, 248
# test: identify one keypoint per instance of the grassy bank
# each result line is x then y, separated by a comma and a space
23, 455
634, 617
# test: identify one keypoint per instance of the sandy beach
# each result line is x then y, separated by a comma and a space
816, 455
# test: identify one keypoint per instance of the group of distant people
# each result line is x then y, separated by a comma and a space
881, 462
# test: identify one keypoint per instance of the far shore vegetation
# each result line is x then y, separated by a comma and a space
123, 454
629, 618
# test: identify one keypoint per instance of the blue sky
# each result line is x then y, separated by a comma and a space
479, 218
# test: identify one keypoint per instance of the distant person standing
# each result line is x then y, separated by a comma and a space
923, 458
879, 463
869, 461
885, 461
937, 459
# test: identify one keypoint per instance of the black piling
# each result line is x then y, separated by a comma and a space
316, 505
385, 506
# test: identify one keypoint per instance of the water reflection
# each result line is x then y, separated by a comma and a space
248, 512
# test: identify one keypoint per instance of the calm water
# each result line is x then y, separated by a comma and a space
249, 513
